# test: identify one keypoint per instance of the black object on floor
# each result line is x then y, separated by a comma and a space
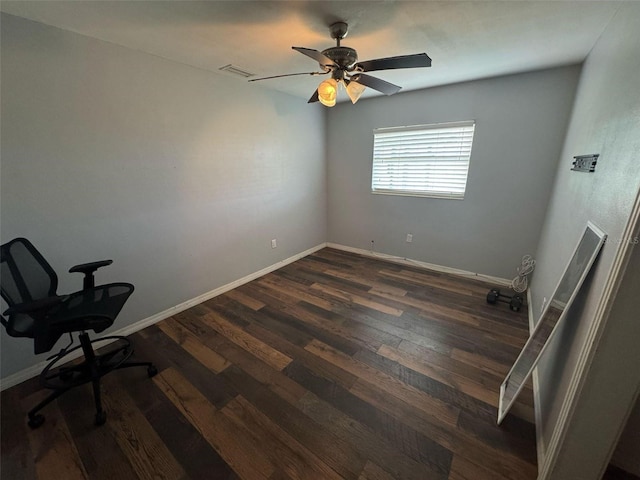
515, 301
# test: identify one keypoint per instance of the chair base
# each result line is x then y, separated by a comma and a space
91, 370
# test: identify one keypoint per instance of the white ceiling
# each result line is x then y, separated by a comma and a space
466, 40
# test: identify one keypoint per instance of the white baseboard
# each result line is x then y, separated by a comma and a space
35, 370
417, 263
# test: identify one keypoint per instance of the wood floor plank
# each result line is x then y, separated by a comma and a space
437, 280
489, 365
475, 311
269, 296
183, 337
280, 475
244, 299
453, 380
55, 453
499, 370
463, 469
374, 472
429, 332
515, 436
458, 317
433, 459
17, 457
274, 318
344, 421
238, 450
148, 455
357, 330
336, 366
259, 370
435, 389
187, 340
450, 363
341, 456
393, 386
300, 321
391, 326
327, 369
309, 275
328, 331
285, 451
357, 299
101, 455
374, 286
288, 288
194, 453
165, 353
251, 344
509, 466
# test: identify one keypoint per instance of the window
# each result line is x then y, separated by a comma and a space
423, 160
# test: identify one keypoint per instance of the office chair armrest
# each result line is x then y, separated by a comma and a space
37, 305
88, 269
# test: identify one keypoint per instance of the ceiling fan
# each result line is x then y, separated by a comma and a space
342, 63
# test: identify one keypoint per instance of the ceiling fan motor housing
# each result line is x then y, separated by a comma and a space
344, 57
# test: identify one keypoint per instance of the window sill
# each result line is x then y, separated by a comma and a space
418, 194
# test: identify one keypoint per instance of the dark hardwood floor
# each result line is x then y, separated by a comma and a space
615, 473
336, 366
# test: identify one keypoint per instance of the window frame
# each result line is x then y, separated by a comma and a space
423, 193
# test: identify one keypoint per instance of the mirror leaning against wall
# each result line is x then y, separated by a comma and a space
583, 257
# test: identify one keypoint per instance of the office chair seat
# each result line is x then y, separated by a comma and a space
36, 311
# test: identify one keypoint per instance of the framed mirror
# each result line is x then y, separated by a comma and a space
555, 311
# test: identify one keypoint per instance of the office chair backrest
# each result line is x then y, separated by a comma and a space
25, 274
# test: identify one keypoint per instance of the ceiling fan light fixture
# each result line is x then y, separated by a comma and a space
328, 92
343, 65
354, 90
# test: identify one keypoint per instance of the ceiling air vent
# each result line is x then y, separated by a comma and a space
236, 71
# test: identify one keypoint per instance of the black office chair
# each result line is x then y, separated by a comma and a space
29, 286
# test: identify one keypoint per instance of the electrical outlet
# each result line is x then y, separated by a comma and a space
274, 244
409, 238
544, 303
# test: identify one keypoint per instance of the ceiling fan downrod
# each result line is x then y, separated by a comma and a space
344, 58
338, 30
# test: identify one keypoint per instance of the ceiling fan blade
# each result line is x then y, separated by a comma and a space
287, 75
314, 97
375, 83
316, 55
390, 63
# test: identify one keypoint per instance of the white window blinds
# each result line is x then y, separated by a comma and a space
424, 160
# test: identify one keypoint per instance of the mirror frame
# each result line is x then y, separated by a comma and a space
504, 407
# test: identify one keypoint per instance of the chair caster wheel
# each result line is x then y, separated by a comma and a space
36, 421
101, 418
152, 371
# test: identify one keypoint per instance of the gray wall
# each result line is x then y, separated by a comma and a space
609, 393
521, 122
605, 120
181, 176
